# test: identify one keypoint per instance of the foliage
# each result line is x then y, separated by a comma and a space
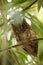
17, 56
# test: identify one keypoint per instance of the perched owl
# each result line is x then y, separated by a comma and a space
24, 34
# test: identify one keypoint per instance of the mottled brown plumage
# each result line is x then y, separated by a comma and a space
24, 33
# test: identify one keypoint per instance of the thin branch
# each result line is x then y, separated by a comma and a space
37, 39
14, 46
28, 6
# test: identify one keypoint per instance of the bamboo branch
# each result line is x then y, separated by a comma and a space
17, 45
28, 6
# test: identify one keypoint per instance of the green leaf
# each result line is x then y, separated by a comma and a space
16, 58
16, 2
40, 3
40, 50
36, 25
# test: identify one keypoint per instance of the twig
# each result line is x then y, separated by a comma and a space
10, 47
37, 39
28, 6
14, 46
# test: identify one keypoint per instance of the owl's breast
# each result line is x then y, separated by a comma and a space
24, 34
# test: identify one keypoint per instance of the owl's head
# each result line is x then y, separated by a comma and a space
16, 17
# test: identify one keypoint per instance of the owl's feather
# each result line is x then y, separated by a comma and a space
24, 33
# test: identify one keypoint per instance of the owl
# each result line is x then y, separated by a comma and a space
24, 34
